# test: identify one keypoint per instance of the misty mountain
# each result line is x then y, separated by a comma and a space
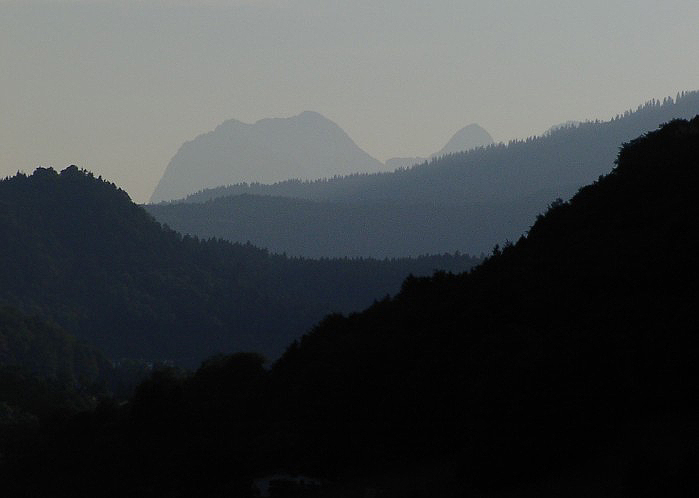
564, 365
467, 138
307, 146
467, 201
80, 253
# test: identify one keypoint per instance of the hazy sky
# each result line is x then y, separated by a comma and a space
117, 86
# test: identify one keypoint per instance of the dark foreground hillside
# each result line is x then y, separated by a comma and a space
78, 251
565, 365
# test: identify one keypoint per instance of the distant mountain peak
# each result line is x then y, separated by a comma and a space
306, 146
468, 137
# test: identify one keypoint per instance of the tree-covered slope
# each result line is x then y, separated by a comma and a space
81, 253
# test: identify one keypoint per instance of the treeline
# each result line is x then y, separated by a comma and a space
565, 364
80, 253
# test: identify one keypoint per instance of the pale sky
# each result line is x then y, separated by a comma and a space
117, 86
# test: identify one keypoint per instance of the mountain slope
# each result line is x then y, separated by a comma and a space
85, 256
307, 146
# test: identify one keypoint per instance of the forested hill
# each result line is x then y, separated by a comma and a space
570, 348
78, 251
555, 164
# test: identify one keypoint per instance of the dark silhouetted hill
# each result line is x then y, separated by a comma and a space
559, 351
307, 146
79, 252
474, 199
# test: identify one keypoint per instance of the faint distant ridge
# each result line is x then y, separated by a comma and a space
467, 138
307, 147
555, 163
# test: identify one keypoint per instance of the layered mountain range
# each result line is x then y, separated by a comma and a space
467, 201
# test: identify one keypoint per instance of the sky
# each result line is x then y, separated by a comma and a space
116, 87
